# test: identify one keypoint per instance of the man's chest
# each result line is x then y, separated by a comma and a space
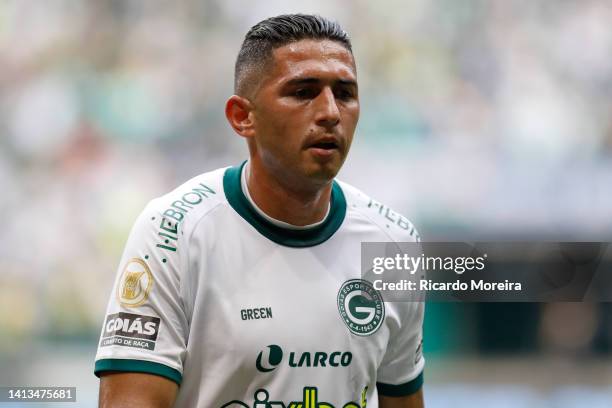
283, 311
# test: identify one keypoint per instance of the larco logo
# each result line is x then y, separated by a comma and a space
271, 357
268, 359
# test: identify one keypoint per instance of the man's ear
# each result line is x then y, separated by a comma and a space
239, 114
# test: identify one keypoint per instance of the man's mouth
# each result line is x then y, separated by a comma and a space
325, 145
324, 149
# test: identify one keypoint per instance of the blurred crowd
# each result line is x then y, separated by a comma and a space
485, 119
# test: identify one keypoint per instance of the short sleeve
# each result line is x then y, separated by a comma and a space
401, 370
145, 327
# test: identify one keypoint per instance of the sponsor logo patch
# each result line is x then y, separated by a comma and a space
361, 307
135, 283
310, 399
130, 330
271, 357
268, 359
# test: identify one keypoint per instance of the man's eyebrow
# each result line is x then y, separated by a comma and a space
349, 82
312, 80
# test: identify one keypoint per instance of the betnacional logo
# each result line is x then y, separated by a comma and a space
135, 283
361, 307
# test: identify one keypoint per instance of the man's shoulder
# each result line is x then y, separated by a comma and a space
192, 199
166, 221
364, 207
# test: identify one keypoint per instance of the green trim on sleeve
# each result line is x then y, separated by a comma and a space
138, 366
400, 390
292, 238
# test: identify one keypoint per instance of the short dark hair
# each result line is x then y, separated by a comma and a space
275, 32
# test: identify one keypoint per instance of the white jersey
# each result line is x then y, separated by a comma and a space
243, 313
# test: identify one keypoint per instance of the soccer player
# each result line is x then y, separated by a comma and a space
242, 287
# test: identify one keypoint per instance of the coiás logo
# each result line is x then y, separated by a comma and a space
130, 330
135, 283
271, 357
361, 307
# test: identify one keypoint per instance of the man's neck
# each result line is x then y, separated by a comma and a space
283, 202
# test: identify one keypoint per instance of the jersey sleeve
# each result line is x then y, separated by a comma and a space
401, 370
145, 328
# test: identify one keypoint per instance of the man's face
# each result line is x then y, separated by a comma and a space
306, 109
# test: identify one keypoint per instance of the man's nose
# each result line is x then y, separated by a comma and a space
328, 114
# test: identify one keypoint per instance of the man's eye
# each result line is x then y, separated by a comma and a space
304, 93
344, 94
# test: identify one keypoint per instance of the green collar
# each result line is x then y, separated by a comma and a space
282, 236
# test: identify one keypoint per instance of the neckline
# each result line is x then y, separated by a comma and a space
287, 237
245, 189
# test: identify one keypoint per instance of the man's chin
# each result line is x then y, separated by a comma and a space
323, 173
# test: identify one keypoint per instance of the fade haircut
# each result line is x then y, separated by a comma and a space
275, 32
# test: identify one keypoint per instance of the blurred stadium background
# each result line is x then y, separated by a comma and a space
481, 119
